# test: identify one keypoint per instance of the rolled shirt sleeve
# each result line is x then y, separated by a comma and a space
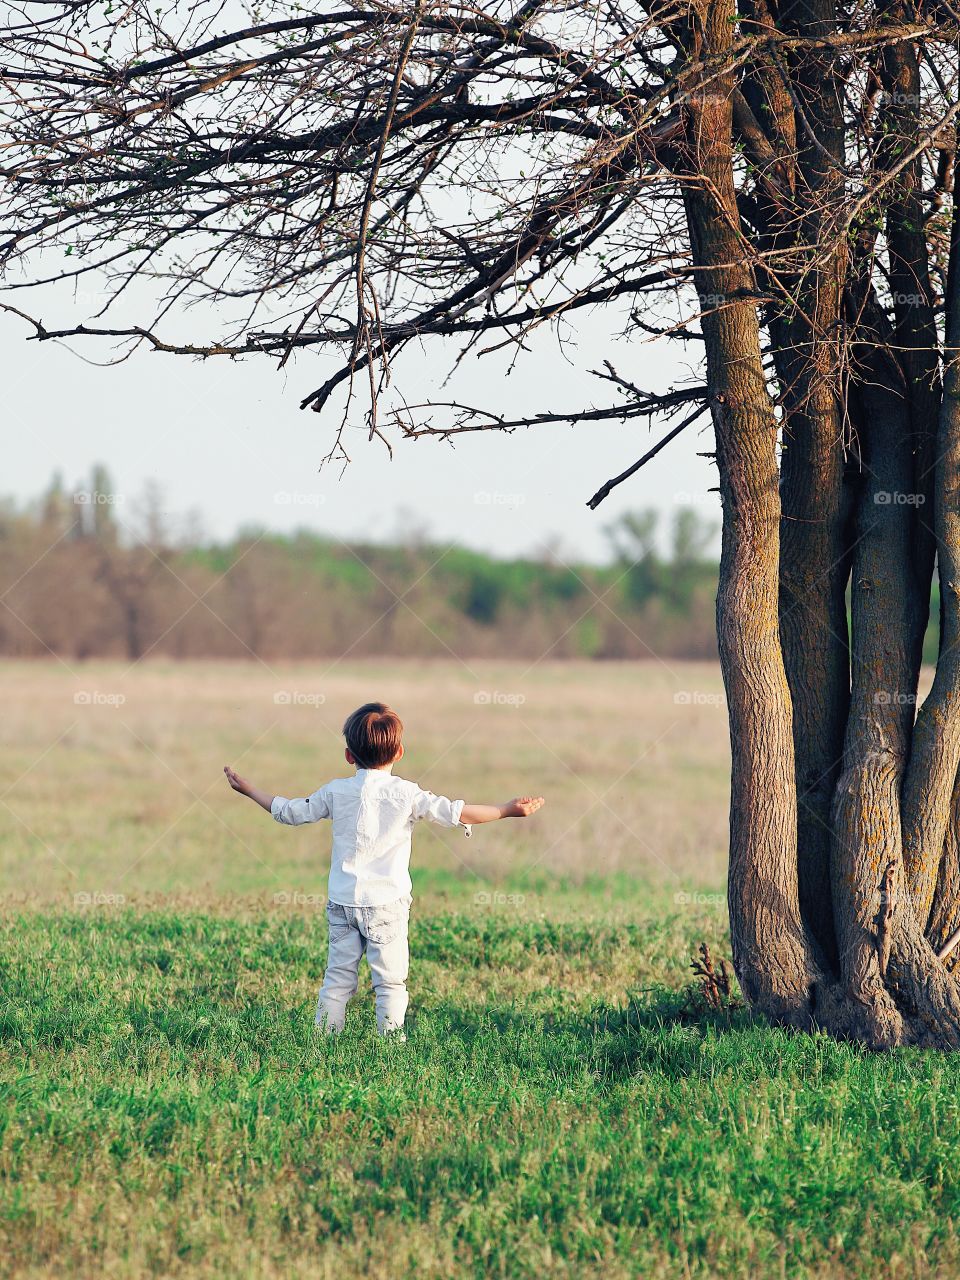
437, 809
293, 813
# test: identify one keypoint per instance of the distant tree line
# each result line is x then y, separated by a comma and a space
86, 574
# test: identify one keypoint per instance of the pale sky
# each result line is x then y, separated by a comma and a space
228, 440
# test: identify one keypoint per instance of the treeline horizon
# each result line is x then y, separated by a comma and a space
86, 575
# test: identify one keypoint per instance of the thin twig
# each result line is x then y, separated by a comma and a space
605, 489
949, 945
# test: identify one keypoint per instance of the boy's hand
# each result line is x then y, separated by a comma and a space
238, 783
263, 798
523, 806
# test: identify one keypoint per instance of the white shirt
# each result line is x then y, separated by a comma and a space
373, 815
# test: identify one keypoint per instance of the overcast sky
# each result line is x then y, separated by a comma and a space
227, 440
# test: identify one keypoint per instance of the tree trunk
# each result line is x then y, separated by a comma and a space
930, 790
856, 962
814, 551
770, 951
866, 813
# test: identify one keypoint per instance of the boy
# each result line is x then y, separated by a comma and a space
369, 888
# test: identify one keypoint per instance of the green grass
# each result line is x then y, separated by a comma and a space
562, 1107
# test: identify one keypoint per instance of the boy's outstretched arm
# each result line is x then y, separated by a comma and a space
522, 807
263, 798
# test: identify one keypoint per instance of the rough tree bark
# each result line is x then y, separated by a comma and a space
769, 946
853, 959
814, 542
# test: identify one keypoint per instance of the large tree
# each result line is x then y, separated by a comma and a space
771, 186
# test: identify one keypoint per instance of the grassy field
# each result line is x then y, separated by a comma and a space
121, 794
565, 1105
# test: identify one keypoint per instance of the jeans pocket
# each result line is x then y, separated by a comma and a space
337, 916
384, 924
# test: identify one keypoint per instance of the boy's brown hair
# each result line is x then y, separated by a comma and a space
373, 733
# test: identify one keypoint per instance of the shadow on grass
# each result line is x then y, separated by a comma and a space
666, 1031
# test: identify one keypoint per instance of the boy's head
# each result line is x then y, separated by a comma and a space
373, 734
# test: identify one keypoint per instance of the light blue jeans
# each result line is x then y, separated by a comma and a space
381, 932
